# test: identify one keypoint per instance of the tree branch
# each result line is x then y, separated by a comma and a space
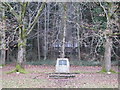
31, 26
12, 10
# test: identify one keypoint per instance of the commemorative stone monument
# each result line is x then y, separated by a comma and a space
62, 65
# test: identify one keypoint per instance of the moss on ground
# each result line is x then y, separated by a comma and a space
105, 71
19, 69
2, 65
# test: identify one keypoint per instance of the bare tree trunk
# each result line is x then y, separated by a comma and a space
78, 33
21, 51
24, 30
48, 14
38, 41
3, 45
3, 51
108, 44
108, 47
107, 54
21, 41
45, 37
21, 59
79, 56
64, 30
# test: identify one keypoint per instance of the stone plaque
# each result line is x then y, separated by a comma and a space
62, 65
62, 62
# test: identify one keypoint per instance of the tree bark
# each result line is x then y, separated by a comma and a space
38, 41
78, 32
64, 30
21, 52
108, 32
3, 45
45, 36
107, 54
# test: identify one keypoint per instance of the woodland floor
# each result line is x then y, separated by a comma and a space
38, 77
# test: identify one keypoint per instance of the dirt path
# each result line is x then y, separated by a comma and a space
38, 77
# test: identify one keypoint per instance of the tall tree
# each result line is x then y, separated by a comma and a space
24, 30
2, 37
38, 39
79, 18
45, 34
109, 11
64, 19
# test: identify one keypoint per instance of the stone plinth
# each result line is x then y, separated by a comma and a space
62, 65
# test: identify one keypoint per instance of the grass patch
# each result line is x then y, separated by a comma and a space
18, 69
2, 65
104, 71
42, 62
72, 62
85, 63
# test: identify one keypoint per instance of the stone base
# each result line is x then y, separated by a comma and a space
61, 75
